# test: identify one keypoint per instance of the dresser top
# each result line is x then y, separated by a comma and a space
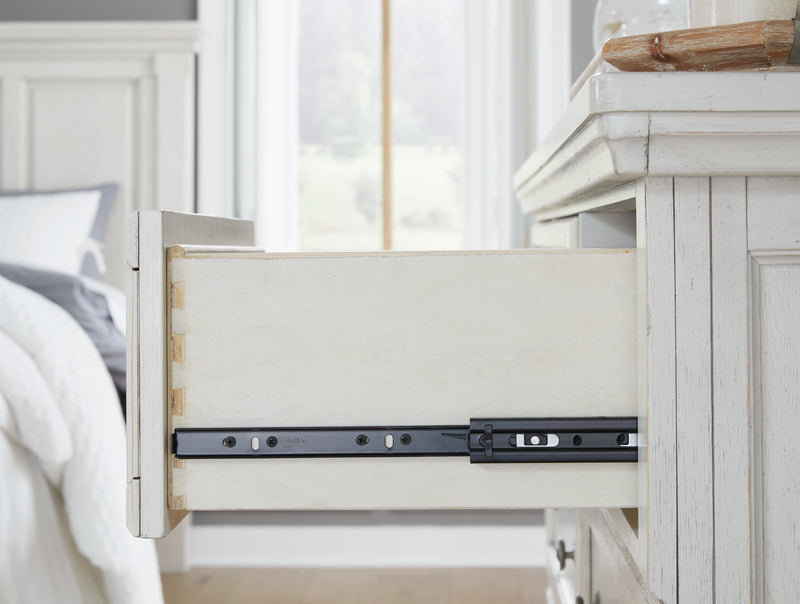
621, 127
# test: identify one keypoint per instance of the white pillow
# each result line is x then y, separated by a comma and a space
48, 230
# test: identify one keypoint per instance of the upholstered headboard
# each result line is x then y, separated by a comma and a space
101, 102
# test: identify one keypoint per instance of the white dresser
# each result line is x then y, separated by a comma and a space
699, 173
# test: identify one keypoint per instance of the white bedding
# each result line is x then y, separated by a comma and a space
63, 536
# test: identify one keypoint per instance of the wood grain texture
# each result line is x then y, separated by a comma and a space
355, 586
755, 45
694, 391
403, 339
622, 127
768, 199
177, 347
176, 294
776, 395
658, 479
731, 388
178, 400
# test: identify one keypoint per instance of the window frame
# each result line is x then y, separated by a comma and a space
516, 85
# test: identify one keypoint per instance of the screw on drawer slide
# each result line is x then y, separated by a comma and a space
594, 439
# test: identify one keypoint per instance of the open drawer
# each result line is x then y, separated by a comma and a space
225, 338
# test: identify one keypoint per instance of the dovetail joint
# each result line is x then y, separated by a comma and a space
178, 464
177, 502
178, 343
176, 291
178, 398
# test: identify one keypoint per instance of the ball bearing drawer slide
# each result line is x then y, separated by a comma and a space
597, 439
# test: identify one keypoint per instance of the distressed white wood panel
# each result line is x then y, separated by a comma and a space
731, 388
84, 134
403, 339
721, 91
150, 232
700, 154
693, 390
776, 397
89, 103
773, 213
617, 129
658, 483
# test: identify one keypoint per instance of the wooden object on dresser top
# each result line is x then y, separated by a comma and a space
706, 164
756, 45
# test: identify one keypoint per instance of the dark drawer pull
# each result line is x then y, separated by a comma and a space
563, 555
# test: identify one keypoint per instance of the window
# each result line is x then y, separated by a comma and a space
346, 199
304, 106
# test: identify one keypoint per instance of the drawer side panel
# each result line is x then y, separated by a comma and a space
402, 339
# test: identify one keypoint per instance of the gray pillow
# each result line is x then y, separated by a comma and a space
87, 307
108, 194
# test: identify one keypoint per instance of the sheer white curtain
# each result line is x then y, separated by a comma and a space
248, 111
247, 116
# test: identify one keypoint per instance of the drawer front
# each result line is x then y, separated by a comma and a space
615, 576
567, 556
422, 339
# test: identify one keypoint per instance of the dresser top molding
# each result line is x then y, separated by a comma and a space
621, 127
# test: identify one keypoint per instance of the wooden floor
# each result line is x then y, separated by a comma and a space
355, 586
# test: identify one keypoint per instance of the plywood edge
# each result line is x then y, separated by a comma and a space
189, 255
176, 503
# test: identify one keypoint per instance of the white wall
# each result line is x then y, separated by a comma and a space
97, 10
581, 34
